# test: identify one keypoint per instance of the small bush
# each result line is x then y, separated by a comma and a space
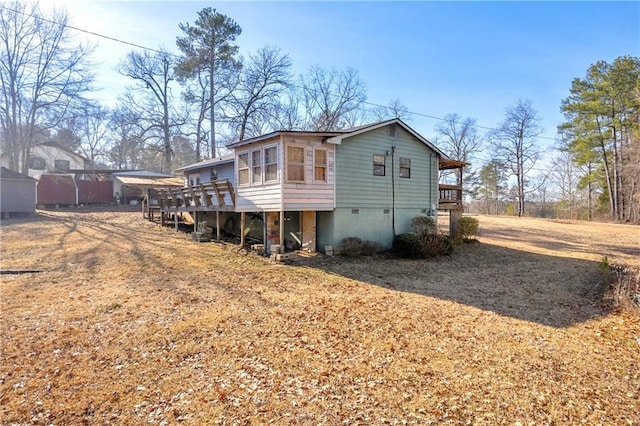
434, 245
351, 247
468, 227
354, 247
408, 246
423, 225
369, 248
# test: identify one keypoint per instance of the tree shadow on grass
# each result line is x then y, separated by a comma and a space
548, 290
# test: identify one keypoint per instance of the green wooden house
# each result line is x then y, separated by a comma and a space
311, 190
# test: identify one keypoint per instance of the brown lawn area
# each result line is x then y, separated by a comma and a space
128, 323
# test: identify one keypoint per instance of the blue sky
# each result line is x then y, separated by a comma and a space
471, 58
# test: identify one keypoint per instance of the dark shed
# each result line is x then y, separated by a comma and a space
17, 194
57, 189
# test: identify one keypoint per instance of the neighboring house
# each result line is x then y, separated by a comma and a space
50, 157
18, 194
206, 171
367, 182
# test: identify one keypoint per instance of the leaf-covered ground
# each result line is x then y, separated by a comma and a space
128, 323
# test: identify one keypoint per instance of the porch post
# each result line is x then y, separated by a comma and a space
454, 217
242, 224
264, 230
218, 225
281, 230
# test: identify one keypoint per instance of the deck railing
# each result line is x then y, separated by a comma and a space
450, 196
212, 196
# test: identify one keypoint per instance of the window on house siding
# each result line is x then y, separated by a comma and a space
271, 164
295, 163
37, 163
320, 165
214, 174
256, 167
405, 168
62, 165
243, 169
378, 165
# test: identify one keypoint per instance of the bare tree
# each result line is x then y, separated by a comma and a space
43, 75
286, 114
330, 95
92, 130
152, 99
262, 81
394, 109
566, 176
515, 144
459, 139
126, 141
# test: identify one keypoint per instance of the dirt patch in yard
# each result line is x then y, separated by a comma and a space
131, 323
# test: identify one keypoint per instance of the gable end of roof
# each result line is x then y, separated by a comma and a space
337, 140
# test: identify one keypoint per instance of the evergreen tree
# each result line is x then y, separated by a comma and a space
209, 50
602, 113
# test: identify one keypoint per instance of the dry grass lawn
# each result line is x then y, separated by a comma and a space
128, 323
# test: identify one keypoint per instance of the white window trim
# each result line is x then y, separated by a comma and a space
238, 167
251, 167
264, 164
326, 165
304, 162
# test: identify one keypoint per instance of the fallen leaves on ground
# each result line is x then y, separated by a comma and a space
130, 323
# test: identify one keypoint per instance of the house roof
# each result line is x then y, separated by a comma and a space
62, 148
11, 175
56, 146
142, 173
348, 133
448, 163
207, 163
337, 136
282, 132
150, 181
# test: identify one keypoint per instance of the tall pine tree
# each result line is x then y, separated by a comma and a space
602, 121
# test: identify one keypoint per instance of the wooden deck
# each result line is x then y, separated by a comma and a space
168, 201
213, 196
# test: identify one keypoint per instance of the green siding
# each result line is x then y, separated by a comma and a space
369, 224
358, 188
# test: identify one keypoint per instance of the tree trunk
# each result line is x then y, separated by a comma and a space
212, 105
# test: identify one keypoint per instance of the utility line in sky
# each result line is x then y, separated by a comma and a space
139, 46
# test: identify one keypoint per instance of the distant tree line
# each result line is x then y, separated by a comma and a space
186, 105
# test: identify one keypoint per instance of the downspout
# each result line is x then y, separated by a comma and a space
431, 194
393, 191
